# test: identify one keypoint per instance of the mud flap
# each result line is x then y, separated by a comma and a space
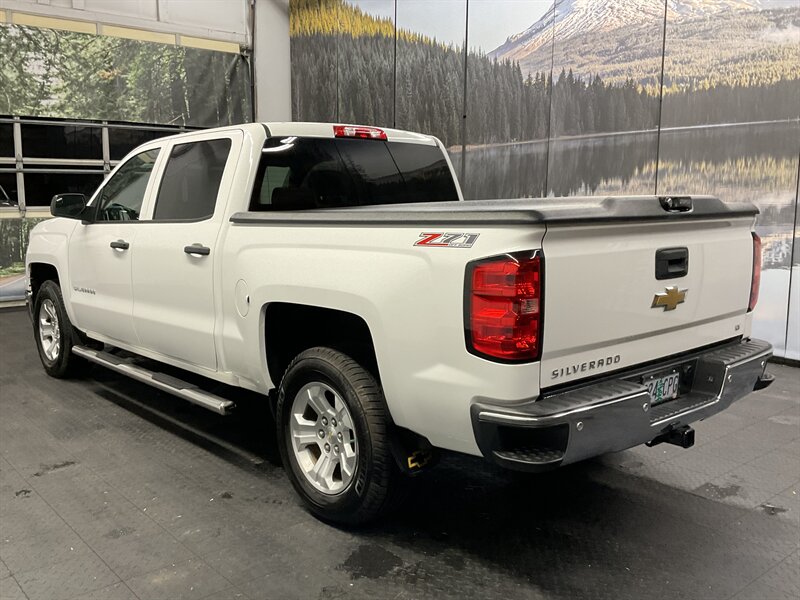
413, 453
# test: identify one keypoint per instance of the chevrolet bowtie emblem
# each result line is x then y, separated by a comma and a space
669, 299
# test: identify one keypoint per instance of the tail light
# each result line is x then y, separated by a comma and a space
755, 283
503, 307
363, 133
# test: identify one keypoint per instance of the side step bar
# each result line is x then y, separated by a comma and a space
165, 383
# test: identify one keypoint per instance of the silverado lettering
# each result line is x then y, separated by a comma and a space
585, 366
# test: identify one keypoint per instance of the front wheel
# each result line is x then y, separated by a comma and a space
333, 434
54, 334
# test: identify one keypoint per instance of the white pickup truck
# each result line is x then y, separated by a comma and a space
338, 271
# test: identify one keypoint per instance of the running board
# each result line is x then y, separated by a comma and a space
165, 383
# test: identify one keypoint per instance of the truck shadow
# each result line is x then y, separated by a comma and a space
245, 438
469, 529
584, 531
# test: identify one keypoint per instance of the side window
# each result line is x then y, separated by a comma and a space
122, 195
191, 180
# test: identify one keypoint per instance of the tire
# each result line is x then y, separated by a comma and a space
54, 333
374, 483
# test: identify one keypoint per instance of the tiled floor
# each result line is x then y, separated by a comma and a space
110, 490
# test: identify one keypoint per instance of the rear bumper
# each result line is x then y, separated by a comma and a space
615, 414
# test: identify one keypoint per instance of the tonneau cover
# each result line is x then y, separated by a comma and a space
573, 210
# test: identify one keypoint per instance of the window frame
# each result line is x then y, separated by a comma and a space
148, 192
111, 176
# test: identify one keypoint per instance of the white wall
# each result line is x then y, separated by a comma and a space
271, 58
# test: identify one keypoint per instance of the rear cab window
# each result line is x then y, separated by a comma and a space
298, 173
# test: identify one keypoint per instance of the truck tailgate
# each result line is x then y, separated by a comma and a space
605, 308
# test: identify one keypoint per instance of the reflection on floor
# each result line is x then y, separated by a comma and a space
111, 490
13, 288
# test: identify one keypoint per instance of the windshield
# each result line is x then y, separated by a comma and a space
304, 173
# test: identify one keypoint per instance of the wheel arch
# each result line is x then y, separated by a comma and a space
289, 328
38, 273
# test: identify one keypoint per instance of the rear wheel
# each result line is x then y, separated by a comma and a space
334, 438
54, 334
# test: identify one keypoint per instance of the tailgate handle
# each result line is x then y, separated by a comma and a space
676, 203
672, 263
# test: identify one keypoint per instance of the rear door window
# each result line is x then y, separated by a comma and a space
313, 173
190, 184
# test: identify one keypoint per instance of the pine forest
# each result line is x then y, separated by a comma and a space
344, 69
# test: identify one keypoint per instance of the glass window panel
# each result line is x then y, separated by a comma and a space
425, 173
508, 103
122, 197
429, 90
191, 180
41, 187
314, 51
316, 175
61, 141
504, 170
274, 177
47, 167
605, 101
7, 140
325, 173
365, 63
793, 325
730, 128
8, 189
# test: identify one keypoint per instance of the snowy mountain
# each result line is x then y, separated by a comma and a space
577, 17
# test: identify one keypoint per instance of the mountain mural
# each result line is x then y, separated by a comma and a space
719, 41
580, 17
572, 103
727, 61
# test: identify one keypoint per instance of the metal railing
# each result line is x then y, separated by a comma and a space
22, 165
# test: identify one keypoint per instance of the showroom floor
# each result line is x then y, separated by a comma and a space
110, 490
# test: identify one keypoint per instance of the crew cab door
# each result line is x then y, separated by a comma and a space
176, 250
100, 253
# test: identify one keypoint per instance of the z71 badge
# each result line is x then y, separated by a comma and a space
447, 240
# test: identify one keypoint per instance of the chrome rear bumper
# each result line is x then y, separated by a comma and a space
615, 414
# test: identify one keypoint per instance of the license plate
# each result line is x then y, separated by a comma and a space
663, 387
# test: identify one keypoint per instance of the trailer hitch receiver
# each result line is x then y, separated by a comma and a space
682, 436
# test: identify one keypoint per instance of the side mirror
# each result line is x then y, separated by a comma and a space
70, 206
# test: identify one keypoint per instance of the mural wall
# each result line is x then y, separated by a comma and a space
542, 98
67, 75
63, 74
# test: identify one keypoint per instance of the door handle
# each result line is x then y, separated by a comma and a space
120, 245
197, 250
